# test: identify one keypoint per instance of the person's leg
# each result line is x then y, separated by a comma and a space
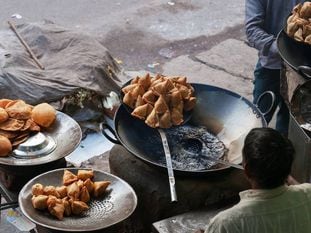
265, 81
282, 118
269, 80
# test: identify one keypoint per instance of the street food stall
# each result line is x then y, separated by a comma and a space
179, 144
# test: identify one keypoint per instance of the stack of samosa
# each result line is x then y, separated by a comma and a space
299, 23
160, 101
70, 198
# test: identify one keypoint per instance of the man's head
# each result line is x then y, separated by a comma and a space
267, 157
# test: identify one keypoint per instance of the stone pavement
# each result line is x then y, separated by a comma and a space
223, 65
228, 65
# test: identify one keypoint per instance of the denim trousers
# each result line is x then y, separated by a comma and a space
269, 80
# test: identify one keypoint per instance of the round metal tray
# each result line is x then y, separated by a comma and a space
118, 204
49, 145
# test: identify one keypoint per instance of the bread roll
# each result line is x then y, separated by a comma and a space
5, 146
43, 114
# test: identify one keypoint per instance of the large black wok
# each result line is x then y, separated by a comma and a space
296, 54
224, 113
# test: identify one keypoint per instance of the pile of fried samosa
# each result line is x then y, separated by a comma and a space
70, 198
299, 23
160, 101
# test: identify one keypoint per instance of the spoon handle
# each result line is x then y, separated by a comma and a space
169, 166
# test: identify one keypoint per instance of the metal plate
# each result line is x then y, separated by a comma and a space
117, 205
67, 135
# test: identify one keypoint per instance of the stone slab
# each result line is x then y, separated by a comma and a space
189, 222
232, 56
152, 187
201, 73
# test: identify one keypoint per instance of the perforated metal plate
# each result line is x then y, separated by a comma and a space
117, 204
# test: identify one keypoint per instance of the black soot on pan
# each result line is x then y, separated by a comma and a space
191, 146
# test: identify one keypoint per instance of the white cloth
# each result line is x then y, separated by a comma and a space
286, 209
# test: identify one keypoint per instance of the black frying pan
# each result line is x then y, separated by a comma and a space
224, 113
296, 54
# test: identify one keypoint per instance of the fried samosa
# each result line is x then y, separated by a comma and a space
139, 101
145, 81
298, 35
184, 91
175, 98
73, 191
89, 185
190, 103
149, 97
62, 191
77, 207
305, 11
57, 209
84, 195
142, 112
69, 177
51, 190
160, 88
308, 39
129, 88
100, 188
176, 116
165, 120
138, 90
160, 105
37, 189
129, 100
85, 174
67, 206
39, 202
152, 119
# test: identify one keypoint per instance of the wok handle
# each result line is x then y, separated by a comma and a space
272, 101
305, 71
103, 127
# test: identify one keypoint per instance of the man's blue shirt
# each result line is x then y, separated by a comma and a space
264, 19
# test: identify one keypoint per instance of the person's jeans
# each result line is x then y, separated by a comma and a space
269, 80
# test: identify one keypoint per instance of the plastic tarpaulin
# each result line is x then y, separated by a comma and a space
72, 61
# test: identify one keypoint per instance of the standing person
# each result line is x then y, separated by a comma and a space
270, 205
263, 21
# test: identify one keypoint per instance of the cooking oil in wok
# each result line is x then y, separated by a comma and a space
191, 146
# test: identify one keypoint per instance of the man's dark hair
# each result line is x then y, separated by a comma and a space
268, 157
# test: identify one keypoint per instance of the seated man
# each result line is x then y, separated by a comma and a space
271, 205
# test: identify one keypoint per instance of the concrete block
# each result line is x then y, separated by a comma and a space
232, 56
